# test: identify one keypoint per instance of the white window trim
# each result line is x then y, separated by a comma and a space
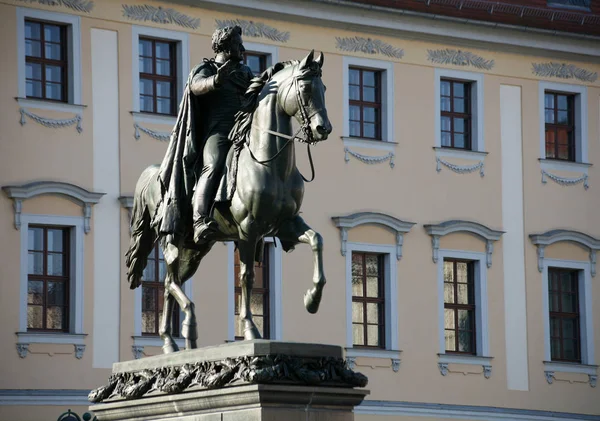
271, 51
76, 271
141, 341
388, 141
390, 297
581, 125
275, 300
477, 114
74, 57
481, 308
183, 68
586, 315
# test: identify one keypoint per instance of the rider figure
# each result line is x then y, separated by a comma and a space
221, 82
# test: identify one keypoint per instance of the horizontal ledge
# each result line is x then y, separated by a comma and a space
139, 117
373, 353
154, 341
459, 153
50, 105
360, 142
51, 338
564, 367
558, 165
464, 359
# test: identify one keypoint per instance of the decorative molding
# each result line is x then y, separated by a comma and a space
351, 362
487, 371
22, 349
138, 351
459, 58
565, 181
368, 46
162, 136
448, 227
563, 71
127, 204
369, 159
397, 226
255, 29
159, 15
555, 236
460, 169
85, 6
395, 364
79, 350
443, 368
217, 374
549, 376
86, 199
50, 122
593, 378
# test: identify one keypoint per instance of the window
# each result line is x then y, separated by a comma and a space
256, 62
48, 279
49, 59
158, 76
459, 306
259, 303
571, 4
455, 107
368, 302
46, 60
153, 290
560, 125
563, 295
365, 103
459, 109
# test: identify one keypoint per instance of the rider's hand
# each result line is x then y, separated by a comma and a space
224, 72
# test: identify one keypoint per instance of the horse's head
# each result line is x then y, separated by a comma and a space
304, 98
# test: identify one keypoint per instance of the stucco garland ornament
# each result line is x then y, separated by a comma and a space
160, 15
368, 46
459, 58
563, 71
50, 122
366, 159
256, 29
280, 369
162, 136
460, 169
85, 6
565, 181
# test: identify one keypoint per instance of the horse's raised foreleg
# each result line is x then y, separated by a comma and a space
189, 329
247, 253
297, 231
166, 324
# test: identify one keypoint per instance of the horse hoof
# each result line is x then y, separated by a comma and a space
170, 348
312, 299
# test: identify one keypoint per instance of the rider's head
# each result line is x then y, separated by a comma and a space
228, 41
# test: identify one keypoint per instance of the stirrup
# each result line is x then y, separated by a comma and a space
203, 227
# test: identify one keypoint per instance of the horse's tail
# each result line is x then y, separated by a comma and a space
143, 235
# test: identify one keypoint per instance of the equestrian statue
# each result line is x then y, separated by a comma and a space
229, 174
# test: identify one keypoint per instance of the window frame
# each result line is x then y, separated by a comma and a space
477, 129
154, 77
362, 104
580, 124
73, 55
570, 128
482, 344
469, 307
76, 281
387, 139
453, 114
275, 290
261, 56
560, 315
390, 298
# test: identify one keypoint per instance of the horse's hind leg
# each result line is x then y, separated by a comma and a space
297, 231
166, 324
189, 329
247, 253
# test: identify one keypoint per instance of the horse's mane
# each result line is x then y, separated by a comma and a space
240, 132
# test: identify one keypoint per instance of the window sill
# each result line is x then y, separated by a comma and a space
474, 156
459, 153
445, 359
558, 165
353, 353
139, 117
553, 367
50, 105
51, 338
360, 142
154, 341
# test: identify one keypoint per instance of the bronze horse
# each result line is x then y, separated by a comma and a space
266, 202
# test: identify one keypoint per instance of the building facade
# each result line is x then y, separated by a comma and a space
457, 196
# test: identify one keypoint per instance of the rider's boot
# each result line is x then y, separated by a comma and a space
203, 226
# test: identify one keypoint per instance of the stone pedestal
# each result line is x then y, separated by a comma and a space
254, 380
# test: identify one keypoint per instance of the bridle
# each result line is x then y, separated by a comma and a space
304, 129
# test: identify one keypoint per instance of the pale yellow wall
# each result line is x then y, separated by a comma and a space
411, 191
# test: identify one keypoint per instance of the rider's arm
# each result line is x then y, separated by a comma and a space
204, 82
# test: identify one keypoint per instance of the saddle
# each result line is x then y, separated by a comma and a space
227, 185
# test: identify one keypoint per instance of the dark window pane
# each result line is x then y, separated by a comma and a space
555, 348
33, 89
146, 87
55, 318
53, 51
55, 264
33, 48
145, 48
32, 30
569, 328
354, 92
146, 104
465, 341
369, 130
562, 102
553, 301
459, 141
354, 77
355, 113
445, 88
163, 105
35, 292
35, 238
54, 74
459, 125
445, 104
368, 78
148, 299
56, 294
162, 50
54, 91
563, 117
34, 71
549, 116
459, 89
150, 271
354, 128
369, 114
459, 105
446, 124
549, 101
465, 319
368, 94
163, 67
35, 263
146, 65
446, 139
254, 62
52, 33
